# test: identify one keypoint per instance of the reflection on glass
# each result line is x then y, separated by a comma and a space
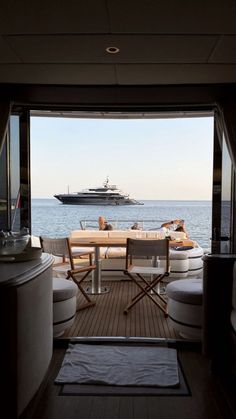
15, 172
226, 199
3, 189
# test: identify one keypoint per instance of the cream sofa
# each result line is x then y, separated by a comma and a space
183, 263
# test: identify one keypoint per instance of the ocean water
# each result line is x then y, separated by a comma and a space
51, 218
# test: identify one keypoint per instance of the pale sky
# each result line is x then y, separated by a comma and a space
147, 158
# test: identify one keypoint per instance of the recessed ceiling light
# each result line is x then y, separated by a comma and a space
112, 50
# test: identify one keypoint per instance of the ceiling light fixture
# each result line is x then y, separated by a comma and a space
112, 50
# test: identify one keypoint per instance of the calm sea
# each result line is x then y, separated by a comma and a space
51, 218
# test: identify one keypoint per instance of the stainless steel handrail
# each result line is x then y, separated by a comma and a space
120, 224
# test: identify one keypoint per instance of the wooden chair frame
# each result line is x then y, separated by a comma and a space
156, 249
60, 247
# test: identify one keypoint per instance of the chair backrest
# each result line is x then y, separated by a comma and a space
142, 248
58, 247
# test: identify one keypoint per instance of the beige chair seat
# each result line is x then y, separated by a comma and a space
149, 270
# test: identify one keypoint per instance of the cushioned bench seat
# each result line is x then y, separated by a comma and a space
183, 263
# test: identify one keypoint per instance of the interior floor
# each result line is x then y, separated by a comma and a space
207, 397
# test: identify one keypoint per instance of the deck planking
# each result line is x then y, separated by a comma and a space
107, 318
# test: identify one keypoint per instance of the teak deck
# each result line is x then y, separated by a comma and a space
106, 318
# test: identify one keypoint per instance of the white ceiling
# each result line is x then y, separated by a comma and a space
160, 42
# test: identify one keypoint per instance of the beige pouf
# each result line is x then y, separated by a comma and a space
185, 307
64, 305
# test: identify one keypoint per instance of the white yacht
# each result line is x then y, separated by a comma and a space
101, 195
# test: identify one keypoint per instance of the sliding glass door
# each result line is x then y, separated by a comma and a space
14, 172
4, 205
14, 164
226, 201
223, 195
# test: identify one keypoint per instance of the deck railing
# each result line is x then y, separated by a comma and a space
122, 224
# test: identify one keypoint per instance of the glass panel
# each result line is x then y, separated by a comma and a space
226, 199
216, 190
14, 175
15, 171
25, 170
3, 189
234, 213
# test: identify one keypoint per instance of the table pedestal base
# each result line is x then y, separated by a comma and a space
101, 290
96, 287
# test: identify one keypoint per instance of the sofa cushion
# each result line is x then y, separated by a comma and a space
115, 252
155, 235
75, 234
127, 234
86, 249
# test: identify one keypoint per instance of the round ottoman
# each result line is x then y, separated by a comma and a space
179, 262
185, 307
64, 305
195, 261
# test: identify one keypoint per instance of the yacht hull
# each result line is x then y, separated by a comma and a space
69, 200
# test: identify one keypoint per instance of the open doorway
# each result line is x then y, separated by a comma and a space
164, 163
154, 160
